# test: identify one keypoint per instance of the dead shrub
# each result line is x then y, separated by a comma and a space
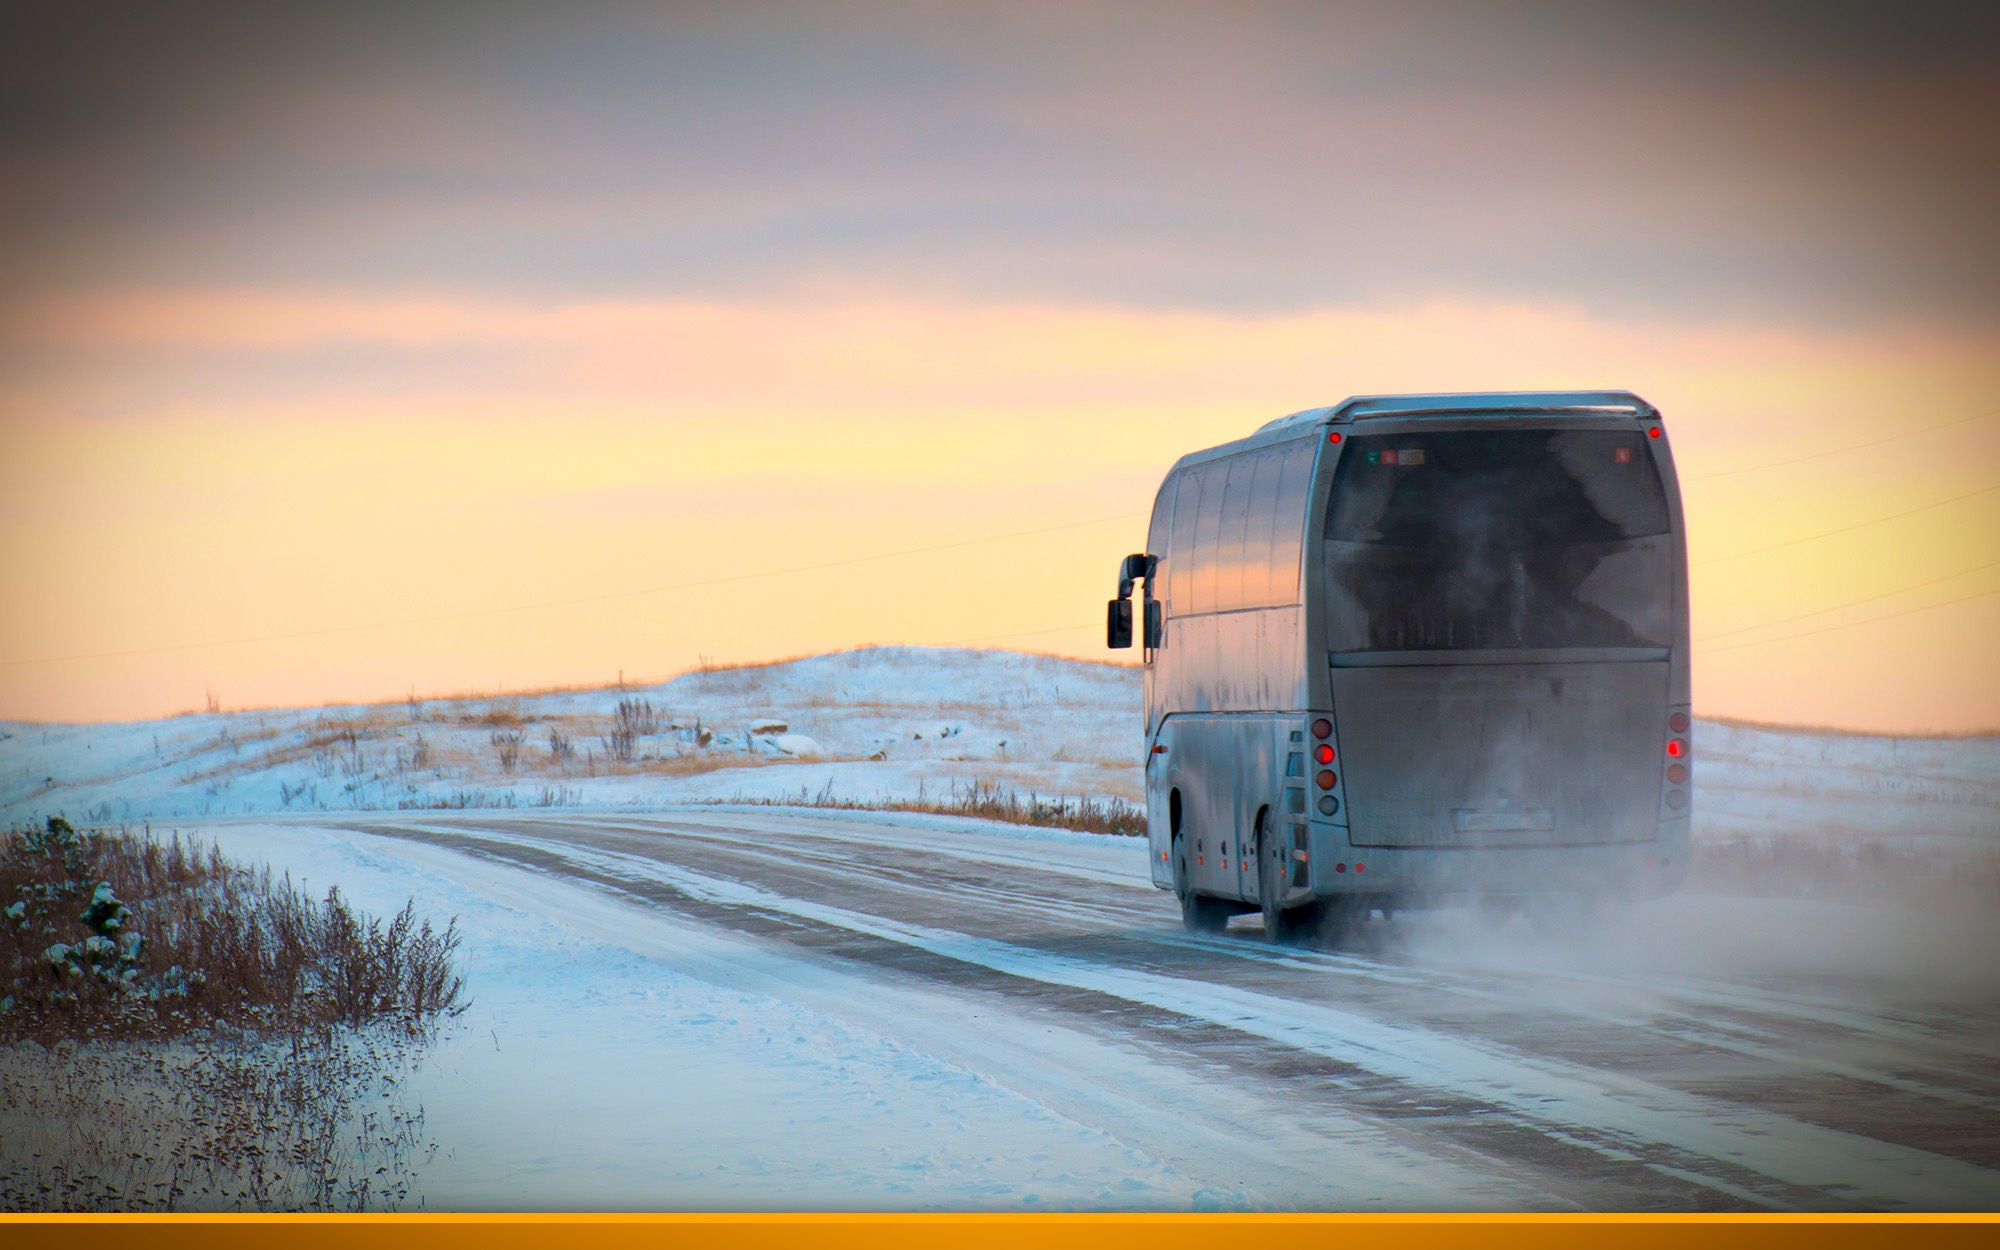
138, 937
507, 743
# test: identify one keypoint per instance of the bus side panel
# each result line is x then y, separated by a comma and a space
1200, 767
1227, 768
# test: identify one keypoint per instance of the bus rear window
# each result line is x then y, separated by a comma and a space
1484, 539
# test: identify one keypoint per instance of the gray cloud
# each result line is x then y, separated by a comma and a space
1800, 162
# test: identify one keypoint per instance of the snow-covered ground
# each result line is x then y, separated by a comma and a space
878, 723
884, 722
744, 1007
617, 1061
684, 1003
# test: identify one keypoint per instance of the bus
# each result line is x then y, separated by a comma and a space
1415, 647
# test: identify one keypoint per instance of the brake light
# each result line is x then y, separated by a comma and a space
1323, 753
1674, 747
1653, 432
1333, 437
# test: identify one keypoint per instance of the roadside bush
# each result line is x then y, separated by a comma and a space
105, 935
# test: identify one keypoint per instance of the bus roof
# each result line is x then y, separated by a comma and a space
1497, 403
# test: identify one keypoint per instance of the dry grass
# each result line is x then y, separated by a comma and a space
212, 1122
986, 801
1829, 731
496, 718
179, 1031
107, 936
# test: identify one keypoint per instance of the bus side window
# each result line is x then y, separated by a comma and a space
1207, 533
1294, 489
1232, 555
1262, 587
1180, 551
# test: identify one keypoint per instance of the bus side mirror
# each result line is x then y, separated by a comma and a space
1153, 622
1118, 625
1135, 567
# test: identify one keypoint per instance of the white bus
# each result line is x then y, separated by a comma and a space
1415, 646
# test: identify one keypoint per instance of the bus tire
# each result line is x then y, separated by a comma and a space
1202, 914
1199, 913
1281, 924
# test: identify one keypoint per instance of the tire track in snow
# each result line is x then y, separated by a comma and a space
1735, 1149
1697, 1022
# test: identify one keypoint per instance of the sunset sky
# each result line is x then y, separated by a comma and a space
359, 352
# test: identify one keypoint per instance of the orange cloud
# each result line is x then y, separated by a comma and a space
587, 448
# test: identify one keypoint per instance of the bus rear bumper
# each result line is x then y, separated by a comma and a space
1412, 874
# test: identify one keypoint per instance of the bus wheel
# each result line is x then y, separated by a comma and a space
1202, 914
1199, 913
1281, 924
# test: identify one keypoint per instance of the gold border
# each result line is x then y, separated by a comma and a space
1046, 1231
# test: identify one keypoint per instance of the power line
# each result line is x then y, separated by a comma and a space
1819, 455
1886, 616
1846, 529
563, 603
1021, 633
1853, 603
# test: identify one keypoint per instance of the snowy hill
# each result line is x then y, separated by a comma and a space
866, 726
883, 722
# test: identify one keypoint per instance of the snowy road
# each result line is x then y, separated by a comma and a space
727, 1007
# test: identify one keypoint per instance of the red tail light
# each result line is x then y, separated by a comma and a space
1674, 747
1323, 753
